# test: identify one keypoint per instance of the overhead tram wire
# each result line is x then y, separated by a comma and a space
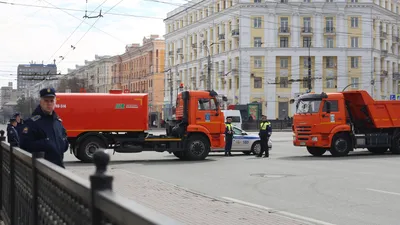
51, 57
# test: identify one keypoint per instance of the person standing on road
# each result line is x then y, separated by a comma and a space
12, 133
44, 132
228, 136
265, 134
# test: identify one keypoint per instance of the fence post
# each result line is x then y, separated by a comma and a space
12, 186
35, 191
99, 181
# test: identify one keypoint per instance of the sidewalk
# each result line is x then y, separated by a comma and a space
187, 206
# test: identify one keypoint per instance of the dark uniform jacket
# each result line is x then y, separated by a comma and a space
20, 126
228, 127
12, 135
45, 133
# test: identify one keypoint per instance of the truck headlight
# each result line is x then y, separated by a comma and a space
314, 138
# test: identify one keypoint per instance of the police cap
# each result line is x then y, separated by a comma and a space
47, 92
12, 120
16, 114
229, 117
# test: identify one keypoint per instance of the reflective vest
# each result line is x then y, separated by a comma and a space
229, 126
264, 125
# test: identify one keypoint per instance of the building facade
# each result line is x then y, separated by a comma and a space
141, 70
96, 75
31, 74
259, 49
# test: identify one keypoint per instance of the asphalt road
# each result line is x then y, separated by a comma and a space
360, 189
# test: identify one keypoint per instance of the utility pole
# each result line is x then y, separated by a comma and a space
309, 68
209, 71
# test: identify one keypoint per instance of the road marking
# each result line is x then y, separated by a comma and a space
381, 191
282, 213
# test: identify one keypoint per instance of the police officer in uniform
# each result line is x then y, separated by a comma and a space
12, 133
228, 136
44, 132
20, 122
265, 134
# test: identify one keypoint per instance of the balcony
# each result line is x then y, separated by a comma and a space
221, 37
285, 31
396, 76
235, 33
383, 35
329, 31
306, 31
384, 73
384, 53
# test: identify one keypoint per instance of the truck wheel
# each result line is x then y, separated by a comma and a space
179, 155
197, 148
395, 149
316, 151
341, 145
380, 150
256, 148
88, 147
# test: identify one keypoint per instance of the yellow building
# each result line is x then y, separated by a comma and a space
262, 55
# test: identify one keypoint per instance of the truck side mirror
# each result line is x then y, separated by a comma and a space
328, 107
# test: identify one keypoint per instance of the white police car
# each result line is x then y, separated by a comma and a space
245, 142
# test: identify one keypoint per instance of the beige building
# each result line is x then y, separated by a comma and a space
141, 70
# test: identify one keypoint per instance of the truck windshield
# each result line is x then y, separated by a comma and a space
308, 106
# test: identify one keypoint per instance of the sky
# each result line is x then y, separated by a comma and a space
43, 34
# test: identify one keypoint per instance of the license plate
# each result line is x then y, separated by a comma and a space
302, 143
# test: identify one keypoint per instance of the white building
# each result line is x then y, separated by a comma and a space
97, 74
260, 48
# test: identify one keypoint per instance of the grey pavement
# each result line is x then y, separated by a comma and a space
360, 189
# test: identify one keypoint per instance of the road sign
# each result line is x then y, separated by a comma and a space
392, 97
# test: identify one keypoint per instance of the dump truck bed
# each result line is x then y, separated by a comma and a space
370, 113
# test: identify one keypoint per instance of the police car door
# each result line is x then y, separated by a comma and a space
237, 139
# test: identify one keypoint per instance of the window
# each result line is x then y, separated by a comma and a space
330, 62
257, 62
284, 63
354, 62
354, 42
329, 0
354, 82
354, 22
330, 83
329, 24
284, 24
284, 82
257, 22
257, 1
257, 42
306, 42
284, 42
207, 104
257, 82
354, 1
236, 131
307, 24
329, 42
305, 62
334, 106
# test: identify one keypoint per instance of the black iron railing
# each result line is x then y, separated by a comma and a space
35, 191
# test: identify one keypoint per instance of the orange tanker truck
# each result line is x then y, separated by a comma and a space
341, 122
119, 121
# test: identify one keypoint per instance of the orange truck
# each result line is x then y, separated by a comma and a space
344, 121
120, 121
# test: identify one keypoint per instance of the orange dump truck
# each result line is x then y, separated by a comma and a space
341, 122
120, 121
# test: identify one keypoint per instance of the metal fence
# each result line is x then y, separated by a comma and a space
35, 191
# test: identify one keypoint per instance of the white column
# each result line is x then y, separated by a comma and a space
198, 45
265, 85
342, 72
295, 75
233, 78
295, 30
215, 39
385, 80
227, 36
389, 38
273, 26
340, 30
234, 27
318, 71
244, 78
318, 31
390, 79
377, 91
378, 35
272, 98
